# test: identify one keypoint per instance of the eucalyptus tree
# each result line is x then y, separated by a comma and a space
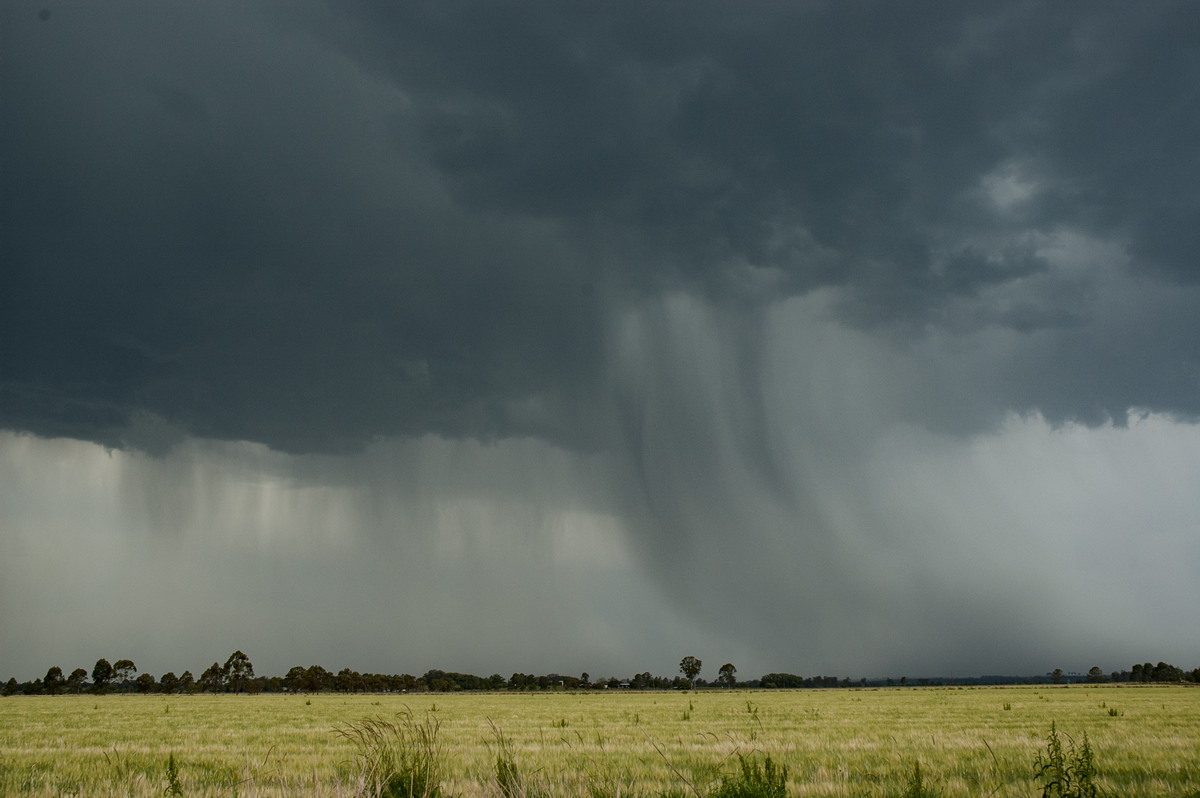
123, 669
54, 681
689, 666
238, 670
76, 680
102, 674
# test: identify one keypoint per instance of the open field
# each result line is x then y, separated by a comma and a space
843, 742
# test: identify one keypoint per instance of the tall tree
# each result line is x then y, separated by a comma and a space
347, 681
689, 666
1164, 672
54, 681
76, 679
123, 669
101, 675
728, 675
169, 682
238, 670
293, 682
212, 680
317, 679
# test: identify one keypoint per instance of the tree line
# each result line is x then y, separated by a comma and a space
237, 675
1140, 672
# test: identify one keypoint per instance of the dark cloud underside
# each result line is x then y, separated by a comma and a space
316, 229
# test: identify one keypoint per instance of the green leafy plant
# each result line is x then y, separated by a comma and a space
1069, 772
173, 786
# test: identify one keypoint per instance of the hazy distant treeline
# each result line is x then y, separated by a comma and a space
237, 675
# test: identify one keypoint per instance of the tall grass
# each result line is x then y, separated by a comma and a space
396, 758
754, 779
915, 787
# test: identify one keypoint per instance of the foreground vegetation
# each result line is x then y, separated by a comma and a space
1140, 741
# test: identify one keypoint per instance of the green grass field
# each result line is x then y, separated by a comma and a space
968, 742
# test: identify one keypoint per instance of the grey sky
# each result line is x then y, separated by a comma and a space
818, 337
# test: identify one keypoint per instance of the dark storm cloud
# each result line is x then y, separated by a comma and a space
208, 222
317, 229
697, 322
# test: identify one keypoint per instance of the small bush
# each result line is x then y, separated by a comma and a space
1068, 773
754, 780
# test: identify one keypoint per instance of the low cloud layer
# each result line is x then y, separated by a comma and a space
832, 335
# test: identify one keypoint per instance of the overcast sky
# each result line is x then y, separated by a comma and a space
842, 338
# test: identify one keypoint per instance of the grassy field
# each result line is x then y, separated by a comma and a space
968, 742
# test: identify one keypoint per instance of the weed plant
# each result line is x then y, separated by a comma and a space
1068, 773
173, 788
